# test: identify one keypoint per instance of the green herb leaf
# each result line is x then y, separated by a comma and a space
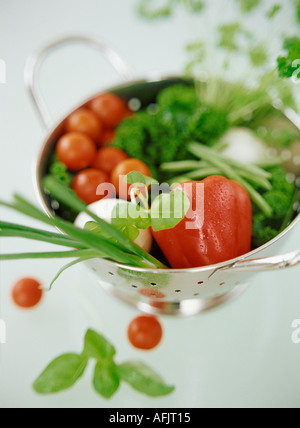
144, 379
228, 36
61, 374
289, 65
168, 209
106, 379
196, 6
139, 179
258, 55
146, 10
274, 11
130, 215
248, 5
97, 346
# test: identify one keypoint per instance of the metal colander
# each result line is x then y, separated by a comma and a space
169, 291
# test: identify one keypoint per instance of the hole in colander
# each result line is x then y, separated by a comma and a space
200, 282
146, 292
134, 286
177, 291
153, 284
110, 273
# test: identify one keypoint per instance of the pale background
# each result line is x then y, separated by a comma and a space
240, 355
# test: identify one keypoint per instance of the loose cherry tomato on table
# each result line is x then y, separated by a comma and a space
108, 158
76, 151
110, 108
86, 122
124, 168
27, 292
86, 182
145, 332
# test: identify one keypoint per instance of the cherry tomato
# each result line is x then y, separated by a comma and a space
85, 121
124, 168
107, 136
145, 332
27, 293
76, 150
108, 158
110, 108
86, 182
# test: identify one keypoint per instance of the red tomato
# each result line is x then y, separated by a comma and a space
27, 293
124, 168
107, 136
145, 332
85, 121
86, 182
108, 158
76, 150
110, 108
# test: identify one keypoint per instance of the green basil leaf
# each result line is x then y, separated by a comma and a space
131, 231
144, 379
139, 179
61, 374
106, 379
97, 346
130, 215
168, 209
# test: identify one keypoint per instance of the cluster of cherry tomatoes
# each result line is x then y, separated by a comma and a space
85, 148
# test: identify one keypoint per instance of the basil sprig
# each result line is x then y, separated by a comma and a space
63, 372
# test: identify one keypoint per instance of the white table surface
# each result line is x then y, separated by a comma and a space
239, 355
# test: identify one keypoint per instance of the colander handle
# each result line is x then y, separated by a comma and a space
36, 59
264, 264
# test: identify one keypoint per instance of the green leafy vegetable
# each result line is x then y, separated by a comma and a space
207, 124
248, 5
163, 137
138, 179
258, 55
143, 379
60, 171
66, 370
195, 6
228, 36
146, 9
166, 211
280, 198
149, 9
61, 374
106, 379
98, 347
274, 11
289, 65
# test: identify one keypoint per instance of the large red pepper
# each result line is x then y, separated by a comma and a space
222, 234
